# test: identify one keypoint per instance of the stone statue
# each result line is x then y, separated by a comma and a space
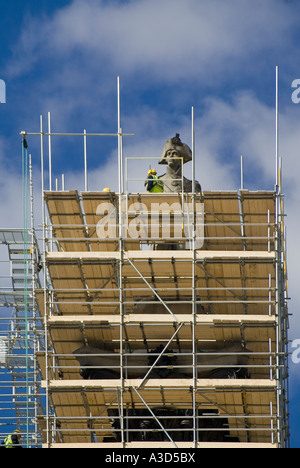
174, 155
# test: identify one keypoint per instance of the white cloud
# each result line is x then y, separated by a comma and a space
169, 39
73, 56
172, 36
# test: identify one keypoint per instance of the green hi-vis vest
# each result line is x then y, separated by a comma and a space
8, 442
158, 185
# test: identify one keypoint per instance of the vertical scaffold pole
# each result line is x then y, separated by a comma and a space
279, 285
85, 163
120, 142
121, 250
50, 151
242, 173
193, 151
47, 402
26, 271
34, 315
194, 287
277, 128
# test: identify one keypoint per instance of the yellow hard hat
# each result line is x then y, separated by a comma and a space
17, 431
106, 190
152, 171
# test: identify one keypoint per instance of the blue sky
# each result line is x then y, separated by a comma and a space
218, 56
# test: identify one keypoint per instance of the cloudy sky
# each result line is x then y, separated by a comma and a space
218, 56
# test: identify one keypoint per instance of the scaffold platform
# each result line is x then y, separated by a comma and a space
121, 299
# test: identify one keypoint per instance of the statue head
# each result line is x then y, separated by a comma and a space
175, 153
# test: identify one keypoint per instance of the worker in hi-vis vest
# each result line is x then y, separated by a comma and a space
13, 440
153, 183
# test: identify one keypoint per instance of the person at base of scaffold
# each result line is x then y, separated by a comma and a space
153, 183
12, 440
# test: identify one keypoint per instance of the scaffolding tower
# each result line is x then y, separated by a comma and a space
185, 347
164, 316
21, 336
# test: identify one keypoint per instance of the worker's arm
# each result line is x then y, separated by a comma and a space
150, 183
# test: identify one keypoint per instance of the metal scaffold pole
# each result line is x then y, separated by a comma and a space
121, 261
194, 287
25, 164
